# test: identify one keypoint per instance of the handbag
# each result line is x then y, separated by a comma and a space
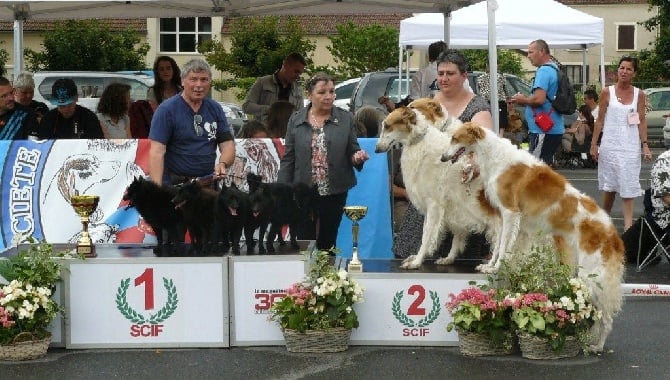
543, 120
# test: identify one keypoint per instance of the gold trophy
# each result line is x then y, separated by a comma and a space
84, 206
355, 213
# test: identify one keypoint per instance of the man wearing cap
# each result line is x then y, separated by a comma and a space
16, 121
68, 120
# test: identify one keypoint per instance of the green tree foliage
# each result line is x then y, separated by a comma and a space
88, 45
655, 62
4, 58
509, 61
361, 49
258, 47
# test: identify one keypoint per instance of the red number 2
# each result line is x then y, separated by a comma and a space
415, 308
147, 277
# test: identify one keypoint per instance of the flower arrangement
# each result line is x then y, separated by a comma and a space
323, 300
26, 306
557, 316
483, 310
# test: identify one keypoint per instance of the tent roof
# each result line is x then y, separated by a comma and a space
86, 9
518, 22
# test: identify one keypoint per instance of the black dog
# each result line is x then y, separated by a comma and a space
261, 205
154, 204
197, 204
233, 213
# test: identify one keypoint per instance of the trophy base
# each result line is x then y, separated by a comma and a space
355, 267
86, 250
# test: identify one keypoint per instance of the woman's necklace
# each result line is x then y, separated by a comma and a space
316, 122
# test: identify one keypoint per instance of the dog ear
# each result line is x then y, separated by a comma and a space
408, 116
436, 108
475, 131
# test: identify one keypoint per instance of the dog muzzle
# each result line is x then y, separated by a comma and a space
453, 158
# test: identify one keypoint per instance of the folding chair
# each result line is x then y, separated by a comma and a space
661, 238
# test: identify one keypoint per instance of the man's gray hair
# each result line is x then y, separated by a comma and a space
24, 81
196, 65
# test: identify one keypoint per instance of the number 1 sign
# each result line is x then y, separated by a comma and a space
147, 303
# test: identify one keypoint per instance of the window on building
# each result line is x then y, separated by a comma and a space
574, 72
184, 34
625, 36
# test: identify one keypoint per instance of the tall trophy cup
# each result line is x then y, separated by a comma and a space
355, 213
84, 206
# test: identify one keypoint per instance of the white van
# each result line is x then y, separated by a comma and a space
90, 85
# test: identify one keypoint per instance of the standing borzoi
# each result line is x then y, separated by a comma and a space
434, 188
532, 197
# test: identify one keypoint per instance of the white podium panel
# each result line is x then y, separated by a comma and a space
407, 308
255, 283
147, 302
56, 326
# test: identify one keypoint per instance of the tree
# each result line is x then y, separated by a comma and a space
654, 62
361, 49
508, 61
4, 58
258, 47
88, 45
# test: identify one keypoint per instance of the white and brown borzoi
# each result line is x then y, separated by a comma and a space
533, 198
434, 188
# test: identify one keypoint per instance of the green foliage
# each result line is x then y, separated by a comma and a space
654, 62
4, 58
258, 47
88, 45
361, 49
35, 265
509, 61
323, 300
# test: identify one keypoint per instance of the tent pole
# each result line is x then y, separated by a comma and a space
583, 68
18, 48
602, 66
491, 7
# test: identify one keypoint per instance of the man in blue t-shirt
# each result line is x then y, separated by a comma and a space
542, 144
186, 129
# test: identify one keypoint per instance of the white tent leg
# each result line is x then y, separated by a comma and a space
491, 7
18, 48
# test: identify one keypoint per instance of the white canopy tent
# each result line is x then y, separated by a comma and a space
517, 23
19, 11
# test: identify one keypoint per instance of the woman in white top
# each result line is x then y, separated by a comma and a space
622, 120
113, 111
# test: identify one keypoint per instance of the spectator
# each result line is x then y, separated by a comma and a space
17, 122
424, 81
282, 85
140, 114
187, 129
545, 85
113, 111
278, 115
167, 81
580, 131
591, 100
623, 123
68, 120
254, 129
24, 90
322, 151
483, 84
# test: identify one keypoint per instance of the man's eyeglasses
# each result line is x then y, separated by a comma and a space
197, 125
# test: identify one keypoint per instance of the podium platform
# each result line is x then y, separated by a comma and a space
127, 297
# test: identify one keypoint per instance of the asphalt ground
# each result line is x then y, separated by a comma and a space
637, 348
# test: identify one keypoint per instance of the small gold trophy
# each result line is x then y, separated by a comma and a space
355, 213
84, 206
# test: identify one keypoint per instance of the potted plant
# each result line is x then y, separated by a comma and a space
317, 314
552, 310
26, 306
482, 316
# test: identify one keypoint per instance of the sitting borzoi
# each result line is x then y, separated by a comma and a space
434, 188
533, 198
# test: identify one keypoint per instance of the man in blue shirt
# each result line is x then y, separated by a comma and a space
543, 144
186, 130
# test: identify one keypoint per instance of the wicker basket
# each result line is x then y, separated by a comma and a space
25, 350
476, 344
533, 347
331, 340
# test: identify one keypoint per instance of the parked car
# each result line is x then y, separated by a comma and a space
90, 85
234, 116
659, 100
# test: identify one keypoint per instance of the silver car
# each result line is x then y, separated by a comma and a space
659, 100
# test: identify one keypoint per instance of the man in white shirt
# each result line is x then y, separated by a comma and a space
424, 81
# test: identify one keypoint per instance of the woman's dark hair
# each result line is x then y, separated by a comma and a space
318, 77
278, 115
250, 128
632, 60
588, 117
159, 86
453, 56
113, 101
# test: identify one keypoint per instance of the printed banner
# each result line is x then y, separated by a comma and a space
38, 178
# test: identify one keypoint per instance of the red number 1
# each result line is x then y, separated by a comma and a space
148, 279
